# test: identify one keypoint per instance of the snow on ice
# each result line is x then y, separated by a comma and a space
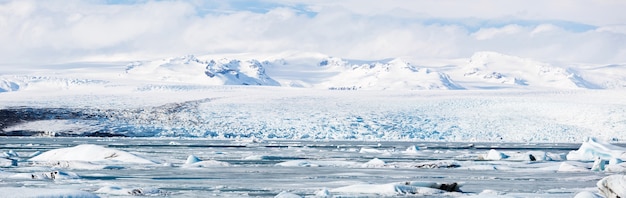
90, 153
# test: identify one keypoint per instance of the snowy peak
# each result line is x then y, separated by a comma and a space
384, 75
189, 69
237, 72
8, 85
492, 67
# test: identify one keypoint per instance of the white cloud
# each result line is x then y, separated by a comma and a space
48, 31
488, 33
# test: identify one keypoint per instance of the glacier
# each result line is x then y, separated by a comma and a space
487, 97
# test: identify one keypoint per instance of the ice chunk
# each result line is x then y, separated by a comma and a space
374, 163
438, 164
371, 150
52, 175
195, 162
116, 190
323, 193
81, 165
592, 149
412, 150
613, 186
11, 153
287, 195
7, 162
598, 164
570, 167
587, 194
91, 153
391, 189
192, 159
495, 155
320, 163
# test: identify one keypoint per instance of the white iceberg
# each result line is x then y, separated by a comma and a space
90, 153
52, 175
495, 155
116, 190
287, 195
587, 194
375, 163
592, 149
613, 186
195, 162
403, 188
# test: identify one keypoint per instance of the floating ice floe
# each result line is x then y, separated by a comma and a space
372, 151
195, 162
613, 186
120, 191
403, 188
51, 175
375, 163
287, 195
572, 167
45, 192
495, 155
87, 157
438, 164
320, 163
593, 148
411, 150
587, 194
4, 162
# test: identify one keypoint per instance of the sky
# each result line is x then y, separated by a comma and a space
58, 31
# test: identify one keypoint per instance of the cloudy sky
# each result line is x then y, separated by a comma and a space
54, 31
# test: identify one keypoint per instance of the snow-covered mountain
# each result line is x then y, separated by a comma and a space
483, 70
384, 75
496, 68
189, 69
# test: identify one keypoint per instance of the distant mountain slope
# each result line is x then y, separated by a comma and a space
483, 70
384, 75
496, 68
45, 83
190, 69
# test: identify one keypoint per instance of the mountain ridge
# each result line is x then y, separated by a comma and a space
483, 70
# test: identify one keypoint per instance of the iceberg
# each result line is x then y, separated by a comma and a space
592, 149
90, 153
613, 186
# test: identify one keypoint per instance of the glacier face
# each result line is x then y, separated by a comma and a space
289, 113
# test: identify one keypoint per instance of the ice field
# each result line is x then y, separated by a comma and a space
123, 167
